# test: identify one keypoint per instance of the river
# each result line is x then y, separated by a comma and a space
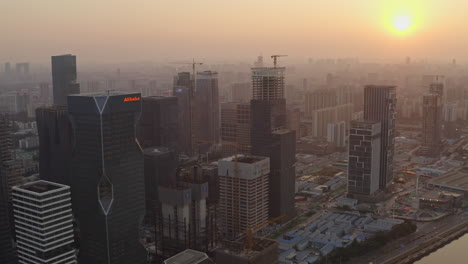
454, 253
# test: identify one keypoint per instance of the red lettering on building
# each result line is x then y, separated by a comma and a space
132, 99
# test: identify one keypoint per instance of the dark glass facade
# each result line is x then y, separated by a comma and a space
158, 125
107, 181
364, 157
283, 173
270, 139
160, 169
380, 105
182, 86
55, 139
7, 250
64, 78
206, 111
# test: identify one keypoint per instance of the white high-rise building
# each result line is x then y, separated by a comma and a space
43, 223
336, 133
243, 193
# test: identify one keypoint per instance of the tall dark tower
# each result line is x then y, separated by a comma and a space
269, 138
7, 250
206, 111
432, 125
380, 105
158, 125
53, 124
64, 78
55, 142
107, 181
181, 90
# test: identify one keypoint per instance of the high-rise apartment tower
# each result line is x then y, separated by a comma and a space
44, 223
380, 105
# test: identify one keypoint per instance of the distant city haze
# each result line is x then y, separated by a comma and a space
99, 31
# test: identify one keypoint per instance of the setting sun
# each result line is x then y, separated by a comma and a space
402, 23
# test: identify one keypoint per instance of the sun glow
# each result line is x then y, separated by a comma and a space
402, 23
403, 17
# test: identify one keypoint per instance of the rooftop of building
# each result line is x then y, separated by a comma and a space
266, 69
281, 131
53, 108
189, 256
364, 122
41, 187
156, 151
102, 94
433, 195
380, 86
159, 97
64, 55
245, 159
456, 180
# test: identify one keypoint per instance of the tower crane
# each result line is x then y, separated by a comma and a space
192, 91
275, 59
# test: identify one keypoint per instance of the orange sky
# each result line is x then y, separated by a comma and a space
123, 30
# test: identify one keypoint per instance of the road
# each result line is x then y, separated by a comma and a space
425, 232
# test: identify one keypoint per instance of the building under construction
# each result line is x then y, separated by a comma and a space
184, 221
270, 138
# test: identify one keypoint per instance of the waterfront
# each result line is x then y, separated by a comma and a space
455, 253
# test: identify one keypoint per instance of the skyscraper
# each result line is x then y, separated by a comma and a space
55, 144
206, 111
432, 125
107, 177
158, 125
235, 128
270, 139
182, 91
336, 133
160, 169
10, 175
380, 105
244, 204
319, 99
64, 78
9, 166
7, 251
184, 216
53, 124
364, 158
268, 83
44, 231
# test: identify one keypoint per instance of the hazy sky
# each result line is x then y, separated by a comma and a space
129, 30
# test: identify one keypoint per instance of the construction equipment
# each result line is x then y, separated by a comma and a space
192, 90
275, 59
250, 232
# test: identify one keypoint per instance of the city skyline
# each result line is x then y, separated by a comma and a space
240, 132
166, 31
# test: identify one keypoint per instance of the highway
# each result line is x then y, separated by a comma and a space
426, 231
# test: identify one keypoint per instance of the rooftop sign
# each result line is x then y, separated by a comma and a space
132, 99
